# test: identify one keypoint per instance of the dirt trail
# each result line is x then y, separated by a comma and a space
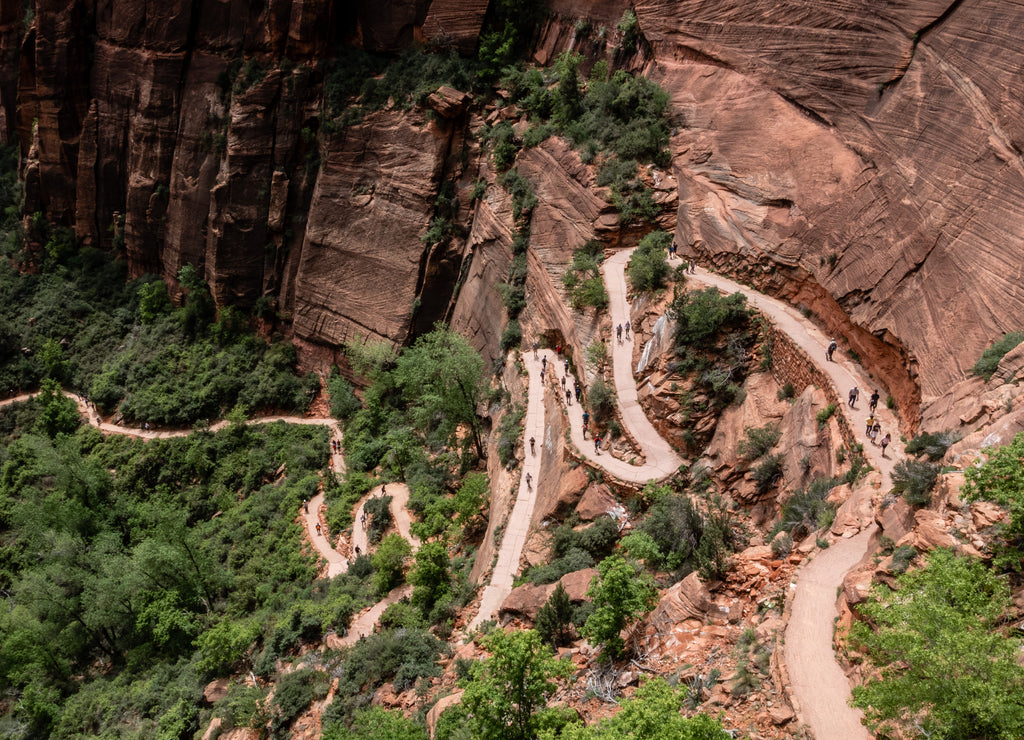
820, 688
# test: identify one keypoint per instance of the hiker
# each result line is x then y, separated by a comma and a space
567, 366
618, 333
533, 446
529, 480
597, 445
305, 505
544, 362
563, 382
542, 375
672, 250
384, 489
318, 527
558, 350
627, 329
831, 349
885, 442
874, 401
586, 420
854, 392
876, 429
870, 423
362, 519
535, 344
357, 551
577, 390
693, 267
568, 397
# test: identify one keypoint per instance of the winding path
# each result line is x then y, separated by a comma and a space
820, 687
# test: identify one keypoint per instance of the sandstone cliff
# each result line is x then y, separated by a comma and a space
860, 160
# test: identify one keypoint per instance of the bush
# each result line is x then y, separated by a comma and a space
768, 473
825, 414
759, 441
582, 279
378, 510
648, 267
915, 480
902, 557
807, 510
523, 198
934, 446
782, 545
989, 360
701, 316
786, 392
344, 403
511, 335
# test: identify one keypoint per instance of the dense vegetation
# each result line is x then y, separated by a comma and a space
989, 361
127, 590
948, 663
79, 322
1001, 480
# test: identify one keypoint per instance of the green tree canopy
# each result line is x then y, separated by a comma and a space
622, 592
506, 696
948, 670
389, 562
650, 714
1001, 479
441, 378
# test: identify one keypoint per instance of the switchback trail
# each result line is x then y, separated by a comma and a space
820, 687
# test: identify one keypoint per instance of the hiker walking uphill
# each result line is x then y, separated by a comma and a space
854, 393
873, 403
832, 346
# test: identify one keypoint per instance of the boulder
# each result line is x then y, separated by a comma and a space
984, 514
688, 599
216, 690
857, 586
597, 500
445, 702
780, 714
857, 511
448, 102
571, 486
577, 583
896, 519
526, 600
929, 532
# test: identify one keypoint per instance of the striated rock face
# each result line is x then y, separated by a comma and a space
862, 161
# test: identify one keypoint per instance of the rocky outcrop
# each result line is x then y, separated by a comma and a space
526, 600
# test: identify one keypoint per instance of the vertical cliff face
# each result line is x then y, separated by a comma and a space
861, 160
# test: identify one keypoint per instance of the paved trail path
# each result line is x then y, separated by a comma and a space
820, 687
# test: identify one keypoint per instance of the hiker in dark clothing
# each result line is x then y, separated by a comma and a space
874, 401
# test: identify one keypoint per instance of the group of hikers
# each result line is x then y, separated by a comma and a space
874, 427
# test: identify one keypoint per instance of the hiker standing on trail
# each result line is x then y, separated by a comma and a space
876, 429
558, 350
870, 423
854, 393
576, 389
672, 250
627, 329
618, 333
362, 519
542, 375
529, 480
586, 420
533, 446
384, 489
597, 445
318, 528
544, 362
535, 345
568, 397
563, 381
832, 346
305, 505
874, 401
693, 267
567, 366
885, 442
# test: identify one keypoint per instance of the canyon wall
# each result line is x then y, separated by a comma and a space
859, 159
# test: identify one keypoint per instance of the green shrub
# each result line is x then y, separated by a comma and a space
378, 510
807, 510
602, 401
989, 360
582, 279
915, 480
648, 267
511, 335
573, 560
902, 557
933, 445
701, 316
554, 620
759, 441
293, 693
523, 198
768, 473
786, 392
825, 414
1001, 479
510, 432
782, 545
344, 403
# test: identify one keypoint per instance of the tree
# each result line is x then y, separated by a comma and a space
650, 714
441, 377
621, 592
648, 267
948, 670
554, 620
58, 414
701, 315
1001, 479
375, 723
506, 696
389, 562
430, 577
